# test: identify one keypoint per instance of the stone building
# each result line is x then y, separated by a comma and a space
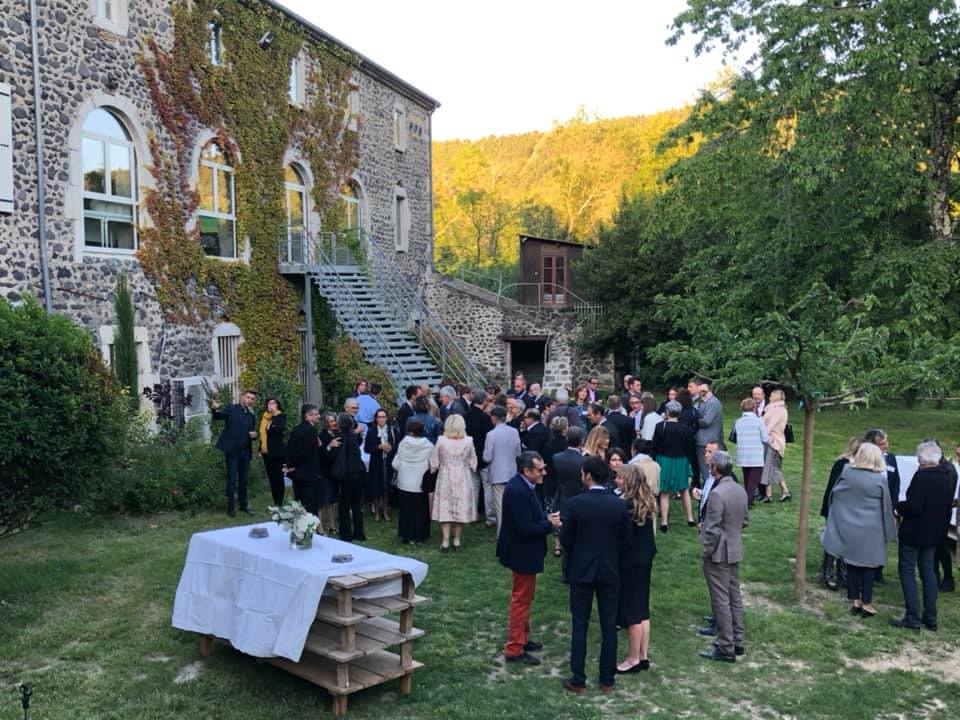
76, 101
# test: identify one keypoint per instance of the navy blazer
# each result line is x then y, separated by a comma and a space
596, 534
303, 453
240, 423
522, 544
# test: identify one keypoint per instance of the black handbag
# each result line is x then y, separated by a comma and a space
732, 437
788, 433
429, 481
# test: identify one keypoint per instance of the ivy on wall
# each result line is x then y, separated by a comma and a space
244, 102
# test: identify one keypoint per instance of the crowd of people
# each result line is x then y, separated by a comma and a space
597, 476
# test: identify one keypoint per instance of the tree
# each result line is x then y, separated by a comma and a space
488, 216
125, 365
892, 67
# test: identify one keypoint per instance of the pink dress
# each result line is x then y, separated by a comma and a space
453, 499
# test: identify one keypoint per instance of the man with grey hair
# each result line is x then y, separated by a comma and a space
709, 424
450, 404
722, 539
925, 518
564, 408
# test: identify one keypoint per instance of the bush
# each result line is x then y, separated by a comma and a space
274, 379
166, 469
64, 418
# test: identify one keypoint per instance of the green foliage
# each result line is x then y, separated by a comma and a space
124, 345
274, 379
558, 184
64, 417
166, 469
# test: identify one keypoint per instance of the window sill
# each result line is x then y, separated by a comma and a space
117, 28
109, 252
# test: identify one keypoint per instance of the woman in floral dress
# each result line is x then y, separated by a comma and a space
454, 503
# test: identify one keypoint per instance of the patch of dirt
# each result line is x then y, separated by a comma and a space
158, 658
751, 710
938, 665
755, 599
190, 672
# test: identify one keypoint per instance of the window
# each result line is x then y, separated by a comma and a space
554, 279
401, 221
215, 44
105, 9
109, 185
295, 204
349, 208
6, 151
217, 214
226, 358
140, 337
110, 15
353, 109
296, 83
399, 128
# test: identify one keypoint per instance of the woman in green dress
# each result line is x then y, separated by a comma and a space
671, 441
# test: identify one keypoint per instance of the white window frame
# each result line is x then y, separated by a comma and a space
215, 43
110, 15
145, 375
353, 109
227, 336
296, 90
289, 187
401, 220
400, 136
215, 213
132, 201
6, 150
354, 200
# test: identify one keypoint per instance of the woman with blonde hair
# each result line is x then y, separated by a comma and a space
454, 459
633, 610
775, 420
860, 524
597, 442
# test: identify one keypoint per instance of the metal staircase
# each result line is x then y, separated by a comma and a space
377, 307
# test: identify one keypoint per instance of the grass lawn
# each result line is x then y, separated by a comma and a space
85, 607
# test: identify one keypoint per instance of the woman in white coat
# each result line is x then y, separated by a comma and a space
412, 462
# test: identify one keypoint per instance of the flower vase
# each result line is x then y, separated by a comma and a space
304, 543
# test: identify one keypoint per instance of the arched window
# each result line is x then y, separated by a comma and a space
109, 183
350, 207
295, 204
217, 212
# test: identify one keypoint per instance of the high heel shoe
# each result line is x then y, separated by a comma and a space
444, 548
644, 665
456, 547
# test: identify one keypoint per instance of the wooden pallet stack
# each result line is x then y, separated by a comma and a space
345, 650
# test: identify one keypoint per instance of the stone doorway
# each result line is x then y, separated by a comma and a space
528, 357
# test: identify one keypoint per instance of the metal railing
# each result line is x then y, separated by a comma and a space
320, 255
550, 296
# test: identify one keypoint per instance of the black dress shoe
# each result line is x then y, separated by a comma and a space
360, 538
663, 528
532, 646
691, 523
524, 657
931, 628
738, 650
715, 654
247, 511
708, 631
709, 619
947, 585
231, 512
644, 665
902, 623
575, 689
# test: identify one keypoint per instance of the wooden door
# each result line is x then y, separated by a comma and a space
553, 279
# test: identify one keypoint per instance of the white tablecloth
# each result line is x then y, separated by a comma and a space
908, 466
261, 595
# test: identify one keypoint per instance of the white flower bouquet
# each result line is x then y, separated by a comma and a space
295, 518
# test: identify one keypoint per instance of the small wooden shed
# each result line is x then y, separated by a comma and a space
547, 271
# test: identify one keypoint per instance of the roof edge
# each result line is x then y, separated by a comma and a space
388, 78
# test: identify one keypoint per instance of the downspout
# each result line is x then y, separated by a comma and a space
41, 186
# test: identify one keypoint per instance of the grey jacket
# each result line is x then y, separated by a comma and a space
710, 422
860, 522
723, 522
501, 451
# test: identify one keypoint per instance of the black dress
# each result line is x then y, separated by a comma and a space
381, 469
350, 509
329, 488
274, 457
635, 568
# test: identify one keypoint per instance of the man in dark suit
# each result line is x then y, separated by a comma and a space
879, 438
621, 421
477, 424
519, 390
303, 459
593, 390
567, 465
535, 435
721, 536
594, 534
521, 547
596, 419
234, 442
537, 398
925, 520
406, 411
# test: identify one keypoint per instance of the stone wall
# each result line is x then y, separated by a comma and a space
485, 324
83, 66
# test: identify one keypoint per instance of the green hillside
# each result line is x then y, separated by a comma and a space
560, 183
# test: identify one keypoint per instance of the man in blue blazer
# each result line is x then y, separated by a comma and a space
521, 547
595, 533
234, 442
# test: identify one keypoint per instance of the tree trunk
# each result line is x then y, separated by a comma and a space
800, 572
942, 135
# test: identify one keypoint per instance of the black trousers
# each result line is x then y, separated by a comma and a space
238, 476
274, 469
581, 608
308, 494
860, 583
944, 560
350, 509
